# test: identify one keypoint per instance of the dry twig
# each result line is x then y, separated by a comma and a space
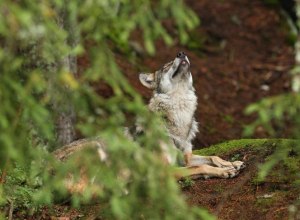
11, 208
279, 209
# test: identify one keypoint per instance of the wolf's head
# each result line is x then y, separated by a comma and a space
173, 76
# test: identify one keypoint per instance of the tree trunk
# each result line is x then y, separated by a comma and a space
65, 132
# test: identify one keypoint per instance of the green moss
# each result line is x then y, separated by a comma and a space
218, 188
229, 146
280, 176
257, 180
255, 144
20, 190
277, 196
292, 164
265, 202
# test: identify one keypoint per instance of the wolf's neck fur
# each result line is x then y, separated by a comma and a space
179, 108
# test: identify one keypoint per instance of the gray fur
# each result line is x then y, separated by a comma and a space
174, 94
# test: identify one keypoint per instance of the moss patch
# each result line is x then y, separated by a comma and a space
254, 144
265, 202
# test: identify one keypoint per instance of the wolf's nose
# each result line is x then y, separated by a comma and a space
181, 54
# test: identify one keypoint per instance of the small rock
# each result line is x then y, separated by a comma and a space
266, 196
265, 87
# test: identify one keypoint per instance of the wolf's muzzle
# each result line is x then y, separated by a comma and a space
181, 54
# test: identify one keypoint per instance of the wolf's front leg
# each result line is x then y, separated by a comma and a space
205, 171
195, 160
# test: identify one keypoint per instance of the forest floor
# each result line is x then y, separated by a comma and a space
244, 197
239, 55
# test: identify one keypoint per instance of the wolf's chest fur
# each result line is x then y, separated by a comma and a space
179, 110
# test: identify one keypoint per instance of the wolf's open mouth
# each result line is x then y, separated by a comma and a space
176, 72
182, 63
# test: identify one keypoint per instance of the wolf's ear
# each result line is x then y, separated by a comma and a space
148, 80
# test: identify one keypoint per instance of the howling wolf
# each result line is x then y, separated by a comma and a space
173, 94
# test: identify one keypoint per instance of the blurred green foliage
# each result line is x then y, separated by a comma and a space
32, 79
276, 114
280, 115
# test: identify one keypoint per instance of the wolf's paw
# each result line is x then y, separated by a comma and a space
230, 172
239, 165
